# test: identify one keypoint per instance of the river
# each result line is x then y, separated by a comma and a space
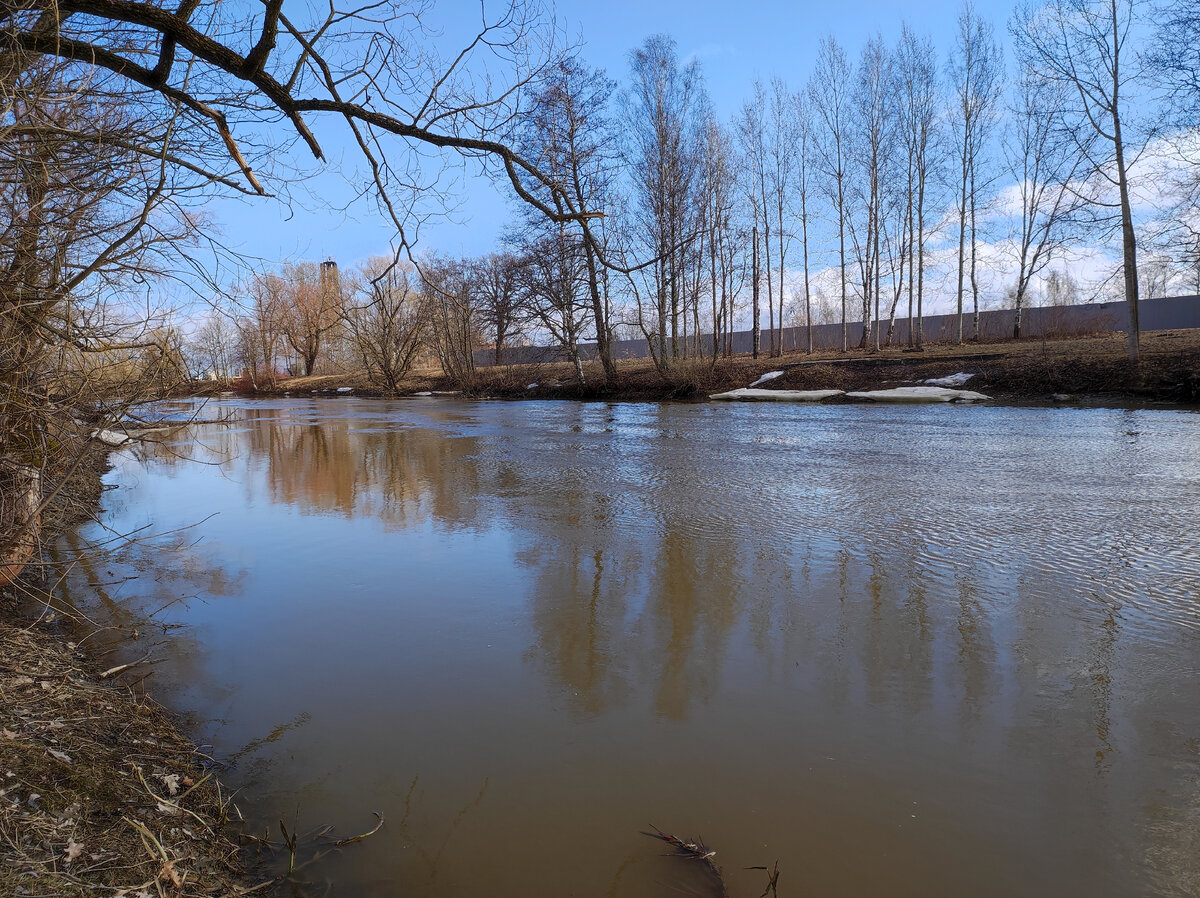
899, 650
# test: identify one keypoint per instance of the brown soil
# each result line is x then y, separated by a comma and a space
1086, 368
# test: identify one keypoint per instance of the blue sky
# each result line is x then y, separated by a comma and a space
735, 42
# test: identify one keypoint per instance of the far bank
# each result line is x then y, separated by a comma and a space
1091, 368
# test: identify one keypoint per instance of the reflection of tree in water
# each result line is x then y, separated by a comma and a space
579, 612
131, 581
401, 476
129, 590
694, 603
586, 574
618, 597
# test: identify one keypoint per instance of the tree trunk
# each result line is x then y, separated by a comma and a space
807, 292
920, 342
962, 243
22, 517
754, 293
878, 265
842, 260
974, 278
1017, 313
600, 318
1128, 238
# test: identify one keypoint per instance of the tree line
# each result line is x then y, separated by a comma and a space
879, 173
860, 173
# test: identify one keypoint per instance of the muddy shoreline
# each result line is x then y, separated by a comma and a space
1093, 370
100, 790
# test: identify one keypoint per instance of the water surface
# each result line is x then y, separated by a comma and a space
904, 651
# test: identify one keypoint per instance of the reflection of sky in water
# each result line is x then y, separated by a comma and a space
906, 651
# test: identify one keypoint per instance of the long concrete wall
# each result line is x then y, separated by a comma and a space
1165, 313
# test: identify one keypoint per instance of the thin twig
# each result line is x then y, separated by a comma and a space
342, 842
121, 668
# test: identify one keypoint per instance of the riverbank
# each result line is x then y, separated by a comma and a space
1082, 368
100, 792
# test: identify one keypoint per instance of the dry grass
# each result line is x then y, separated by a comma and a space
99, 792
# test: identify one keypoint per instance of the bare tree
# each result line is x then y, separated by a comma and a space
310, 308
397, 81
752, 137
569, 132
976, 75
664, 111
1043, 160
85, 217
384, 317
875, 122
767, 133
1085, 45
214, 345
782, 144
804, 185
500, 306
450, 303
1176, 61
553, 285
726, 268
919, 98
1176, 56
829, 91
263, 327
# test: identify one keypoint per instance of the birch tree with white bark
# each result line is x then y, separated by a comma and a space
976, 72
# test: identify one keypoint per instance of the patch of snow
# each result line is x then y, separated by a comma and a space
532, 386
345, 389
423, 393
746, 394
951, 380
770, 375
919, 394
111, 437
447, 392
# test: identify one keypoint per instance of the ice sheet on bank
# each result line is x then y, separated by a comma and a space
950, 380
919, 394
111, 437
345, 389
746, 394
770, 375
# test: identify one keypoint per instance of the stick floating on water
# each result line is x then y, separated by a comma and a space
692, 849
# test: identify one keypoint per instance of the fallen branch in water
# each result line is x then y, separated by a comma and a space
695, 850
772, 880
343, 842
294, 844
121, 668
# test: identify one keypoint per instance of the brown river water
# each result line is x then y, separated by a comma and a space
912, 651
